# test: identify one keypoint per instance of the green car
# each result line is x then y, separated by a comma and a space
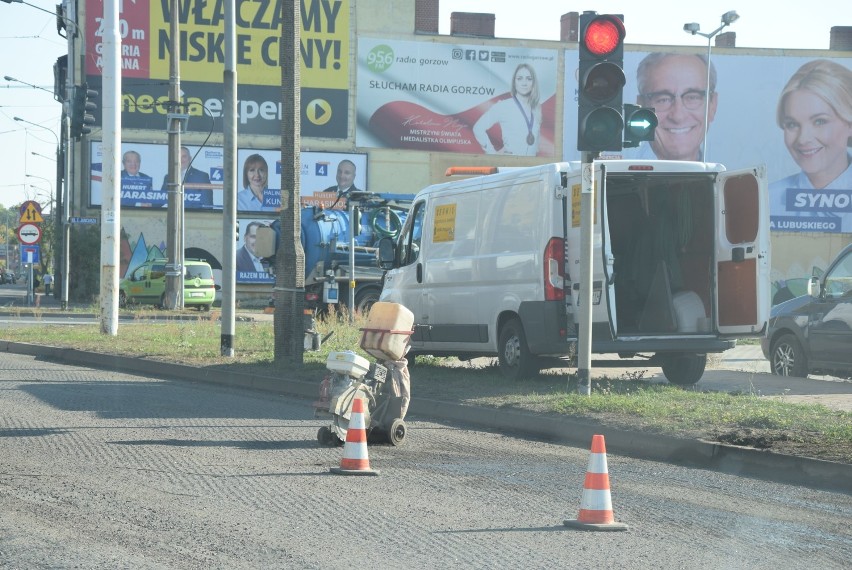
147, 284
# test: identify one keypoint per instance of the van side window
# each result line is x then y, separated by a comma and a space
410, 244
157, 272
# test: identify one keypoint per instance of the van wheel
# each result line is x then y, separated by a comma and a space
365, 300
516, 362
122, 299
788, 358
684, 369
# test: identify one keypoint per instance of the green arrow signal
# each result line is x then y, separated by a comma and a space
640, 124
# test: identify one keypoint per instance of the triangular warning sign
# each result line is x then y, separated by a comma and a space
31, 213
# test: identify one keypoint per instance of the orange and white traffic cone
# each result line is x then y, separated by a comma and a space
355, 460
596, 506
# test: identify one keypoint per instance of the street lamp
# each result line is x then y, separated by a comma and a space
7, 78
693, 28
44, 192
56, 14
39, 126
34, 153
41, 178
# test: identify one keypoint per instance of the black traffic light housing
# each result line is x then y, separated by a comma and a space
600, 124
83, 105
639, 124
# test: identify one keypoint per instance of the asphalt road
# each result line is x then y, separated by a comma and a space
738, 370
101, 469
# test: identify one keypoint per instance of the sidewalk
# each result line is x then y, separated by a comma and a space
14, 301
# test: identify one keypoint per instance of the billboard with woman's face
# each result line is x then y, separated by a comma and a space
456, 98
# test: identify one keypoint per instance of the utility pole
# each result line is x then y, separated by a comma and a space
66, 203
67, 146
174, 222
111, 207
290, 260
229, 201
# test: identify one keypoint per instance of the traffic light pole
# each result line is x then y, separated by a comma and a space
600, 127
587, 222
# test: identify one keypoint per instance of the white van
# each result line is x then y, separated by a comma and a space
489, 265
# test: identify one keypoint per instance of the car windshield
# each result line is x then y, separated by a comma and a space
839, 282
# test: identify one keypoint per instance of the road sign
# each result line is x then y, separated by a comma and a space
31, 212
29, 234
76, 220
30, 254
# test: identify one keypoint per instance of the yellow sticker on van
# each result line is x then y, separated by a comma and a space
444, 228
575, 204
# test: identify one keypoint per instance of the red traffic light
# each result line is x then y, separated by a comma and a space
604, 35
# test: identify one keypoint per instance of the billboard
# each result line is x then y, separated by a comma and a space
749, 124
791, 113
144, 27
456, 98
249, 267
144, 172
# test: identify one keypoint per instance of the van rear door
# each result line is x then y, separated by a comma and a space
742, 252
603, 287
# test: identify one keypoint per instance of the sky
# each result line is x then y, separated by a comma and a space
30, 45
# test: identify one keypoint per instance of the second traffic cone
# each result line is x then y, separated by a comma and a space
596, 505
355, 460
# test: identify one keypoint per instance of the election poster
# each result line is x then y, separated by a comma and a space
144, 179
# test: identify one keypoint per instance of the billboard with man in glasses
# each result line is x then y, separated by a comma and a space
791, 113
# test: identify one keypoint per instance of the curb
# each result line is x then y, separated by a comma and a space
740, 461
54, 313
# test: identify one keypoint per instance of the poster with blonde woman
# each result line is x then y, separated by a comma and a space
815, 114
513, 125
256, 195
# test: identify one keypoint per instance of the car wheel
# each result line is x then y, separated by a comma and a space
122, 299
516, 361
788, 357
684, 369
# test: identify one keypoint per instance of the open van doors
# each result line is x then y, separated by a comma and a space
603, 288
742, 296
